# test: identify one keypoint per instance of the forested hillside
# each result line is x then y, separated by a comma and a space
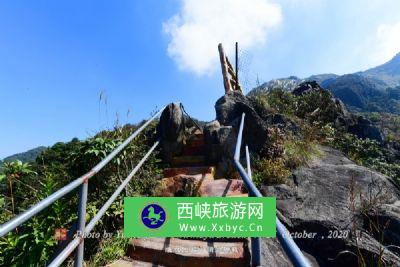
23, 184
27, 156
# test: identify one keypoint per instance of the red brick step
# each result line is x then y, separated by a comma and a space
171, 252
222, 187
132, 263
193, 150
188, 161
195, 142
168, 172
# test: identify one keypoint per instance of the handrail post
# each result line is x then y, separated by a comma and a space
255, 251
255, 241
81, 224
248, 163
239, 140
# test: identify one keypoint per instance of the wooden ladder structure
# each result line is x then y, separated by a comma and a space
229, 74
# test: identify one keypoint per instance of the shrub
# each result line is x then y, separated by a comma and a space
270, 171
368, 153
361, 151
298, 152
261, 105
315, 113
374, 117
316, 106
280, 101
110, 250
56, 167
273, 147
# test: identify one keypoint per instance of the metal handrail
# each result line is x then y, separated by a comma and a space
89, 227
284, 237
82, 181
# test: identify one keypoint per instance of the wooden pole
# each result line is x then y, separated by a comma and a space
236, 65
222, 59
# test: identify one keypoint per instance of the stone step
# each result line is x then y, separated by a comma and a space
192, 253
190, 150
168, 172
218, 239
182, 185
188, 161
132, 263
222, 187
195, 142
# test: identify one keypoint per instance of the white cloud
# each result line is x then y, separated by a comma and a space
387, 42
308, 4
200, 25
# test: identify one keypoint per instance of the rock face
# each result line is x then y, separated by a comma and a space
220, 142
272, 254
171, 129
229, 109
339, 200
306, 88
364, 128
221, 134
216, 141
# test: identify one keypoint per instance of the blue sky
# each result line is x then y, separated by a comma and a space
57, 57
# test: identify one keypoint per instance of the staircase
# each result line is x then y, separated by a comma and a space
189, 176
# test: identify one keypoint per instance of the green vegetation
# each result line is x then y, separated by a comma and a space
309, 121
315, 114
270, 171
286, 150
364, 94
389, 123
110, 250
282, 153
23, 184
368, 153
24, 157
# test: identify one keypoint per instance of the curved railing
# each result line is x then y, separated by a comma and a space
284, 237
82, 229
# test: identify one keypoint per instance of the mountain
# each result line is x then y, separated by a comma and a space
288, 84
376, 89
26, 156
389, 73
354, 90
323, 79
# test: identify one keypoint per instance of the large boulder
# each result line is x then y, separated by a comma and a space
220, 143
171, 130
273, 255
260, 130
351, 209
229, 110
